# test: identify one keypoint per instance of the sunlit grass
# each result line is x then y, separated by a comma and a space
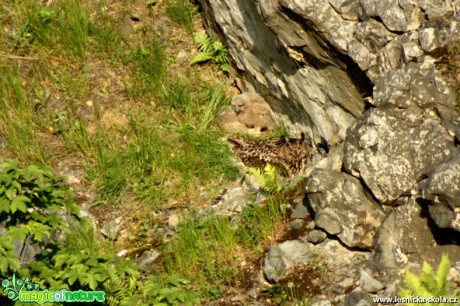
183, 12
167, 149
209, 251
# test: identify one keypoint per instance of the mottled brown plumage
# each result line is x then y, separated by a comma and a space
289, 155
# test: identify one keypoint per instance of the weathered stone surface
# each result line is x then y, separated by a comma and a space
390, 149
292, 66
416, 85
349, 10
316, 236
358, 297
407, 235
342, 208
146, 259
428, 39
368, 283
300, 211
373, 35
233, 201
442, 188
296, 52
396, 17
110, 229
320, 300
283, 256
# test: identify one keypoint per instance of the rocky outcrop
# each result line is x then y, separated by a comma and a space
392, 148
364, 78
408, 235
441, 188
307, 82
315, 60
342, 208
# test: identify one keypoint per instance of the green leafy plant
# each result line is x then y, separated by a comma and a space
429, 283
168, 290
31, 205
268, 178
211, 50
31, 199
82, 269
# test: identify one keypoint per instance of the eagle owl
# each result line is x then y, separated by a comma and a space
289, 155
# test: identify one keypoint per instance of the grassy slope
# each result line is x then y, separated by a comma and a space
131, 116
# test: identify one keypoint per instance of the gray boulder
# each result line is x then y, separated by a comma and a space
407, 236
392, 148
442, 189
231, 202
358, 297
284, 256
342, 208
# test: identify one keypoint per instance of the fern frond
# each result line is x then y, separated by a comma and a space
441, 275
119, 291
257, 174
202, 57
427, 277
225, 67
429, 283
211, 50
204, 41
411, 281
268, 178
271, 174
218, 46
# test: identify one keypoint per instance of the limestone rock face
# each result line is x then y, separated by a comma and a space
390, 149
342, 208
296, 69
314, 60
442, 189
365, 80
405, 237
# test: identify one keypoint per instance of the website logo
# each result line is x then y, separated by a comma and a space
17, 289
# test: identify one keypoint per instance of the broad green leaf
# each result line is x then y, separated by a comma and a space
38, 230
3, 264
5, 179
20, 203
60, 259
4, 205
92, 281
15, 184
72, 276
10, 192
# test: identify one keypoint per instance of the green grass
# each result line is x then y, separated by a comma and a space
209, 251
183, 12
167, 149
159, 163
17, 123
